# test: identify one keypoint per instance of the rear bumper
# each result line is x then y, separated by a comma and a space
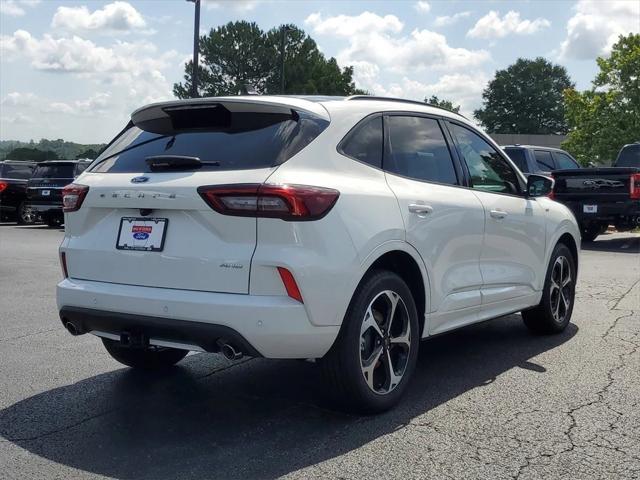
46, 208
607, 211
270, 326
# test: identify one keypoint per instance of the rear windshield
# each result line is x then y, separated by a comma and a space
518, 157
249, 140
13, 170
60, 170
629, 156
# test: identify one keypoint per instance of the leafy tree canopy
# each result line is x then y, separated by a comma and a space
240, 57
89, 153
25, 153
603, 119
526, 97
448, 104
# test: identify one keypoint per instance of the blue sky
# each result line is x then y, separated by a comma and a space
76, 69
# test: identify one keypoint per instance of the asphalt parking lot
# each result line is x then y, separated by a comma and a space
490, 401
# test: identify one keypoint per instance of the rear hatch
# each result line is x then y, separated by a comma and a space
45, 186
601, 184
143, 222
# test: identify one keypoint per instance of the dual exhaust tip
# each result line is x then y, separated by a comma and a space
228, 350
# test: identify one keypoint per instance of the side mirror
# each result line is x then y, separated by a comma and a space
539, 186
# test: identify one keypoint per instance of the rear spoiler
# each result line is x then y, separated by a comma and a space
201, 113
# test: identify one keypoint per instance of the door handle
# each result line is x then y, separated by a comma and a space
420, 209
499, 214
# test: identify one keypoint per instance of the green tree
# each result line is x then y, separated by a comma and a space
33, 154
526, 97
88, 153
607, 116
447, 104
240, 56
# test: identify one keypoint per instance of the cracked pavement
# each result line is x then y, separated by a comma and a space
488, 402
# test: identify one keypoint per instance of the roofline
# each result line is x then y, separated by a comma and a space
402, 100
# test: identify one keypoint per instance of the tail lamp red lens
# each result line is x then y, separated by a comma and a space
72, 196
3, 186
63, 264
290, 284
287, 202
634, 186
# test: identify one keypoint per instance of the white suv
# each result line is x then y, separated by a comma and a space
329, 228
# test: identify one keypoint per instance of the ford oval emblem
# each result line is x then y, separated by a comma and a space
140, 235
139, 179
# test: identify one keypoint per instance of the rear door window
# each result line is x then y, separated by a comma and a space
519, 157
564, 161
17, 171
418, 150
544, 160
364, 143
57, 170
248, 140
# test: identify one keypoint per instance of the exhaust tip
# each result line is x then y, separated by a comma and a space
72, 329
230, 352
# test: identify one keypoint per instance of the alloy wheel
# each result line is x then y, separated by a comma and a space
560, 290
385, 342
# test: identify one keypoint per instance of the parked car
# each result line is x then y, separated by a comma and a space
342, 230
600, 197
540, 160
13, 191
44, 188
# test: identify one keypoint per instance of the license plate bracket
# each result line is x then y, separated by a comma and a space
590, 209
142, 233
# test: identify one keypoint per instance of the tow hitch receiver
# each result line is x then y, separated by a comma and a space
134, 340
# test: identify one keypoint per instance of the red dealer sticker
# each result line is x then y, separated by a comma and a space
141, 229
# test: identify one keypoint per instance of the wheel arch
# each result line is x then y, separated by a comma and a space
567, 239
402, 259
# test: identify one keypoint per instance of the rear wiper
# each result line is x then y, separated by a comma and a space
176, 162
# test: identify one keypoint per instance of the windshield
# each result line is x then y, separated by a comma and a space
248, 141
58, 170
629, 156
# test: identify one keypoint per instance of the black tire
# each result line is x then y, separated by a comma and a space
545, 318
341, 367
25, 216
52, 221
153, 358
590, 233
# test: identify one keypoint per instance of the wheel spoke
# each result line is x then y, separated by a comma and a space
370, 364
392, 379
404, 339
566, 300
393, 298
370, 322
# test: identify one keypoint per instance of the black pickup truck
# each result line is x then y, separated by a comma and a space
13, 191
600, 197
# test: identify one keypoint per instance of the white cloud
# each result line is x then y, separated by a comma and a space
237, 5
595, 27
464, 89
492, 26
17, 99
96, 104
422, 7
116, 17
378, 42
446, 20
14, 8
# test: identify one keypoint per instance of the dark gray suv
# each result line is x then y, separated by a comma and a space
533, 159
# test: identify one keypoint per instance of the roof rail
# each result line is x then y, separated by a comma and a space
401, 100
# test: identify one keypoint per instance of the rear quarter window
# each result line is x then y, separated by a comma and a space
364, 143
629, 156
518, 156
19, 172
249, 141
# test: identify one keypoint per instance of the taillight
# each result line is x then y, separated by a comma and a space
73, 196
3, 186
634, 186
287, 202
290, 284
63, 264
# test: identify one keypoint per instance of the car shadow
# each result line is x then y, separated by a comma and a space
255, 419
629, 243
